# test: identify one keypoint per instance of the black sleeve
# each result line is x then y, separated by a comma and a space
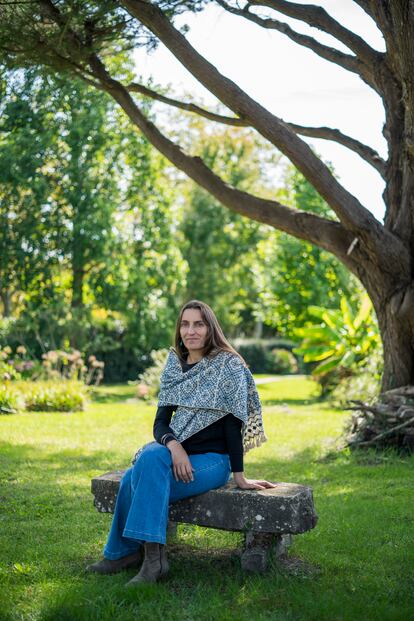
162, 421
232, 430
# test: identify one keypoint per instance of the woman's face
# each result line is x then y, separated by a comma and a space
193, 329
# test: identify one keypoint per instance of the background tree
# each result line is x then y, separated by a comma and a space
220, 246
75, 36
88, 222
28, 218
296, 274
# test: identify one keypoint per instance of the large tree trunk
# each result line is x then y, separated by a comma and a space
398, 343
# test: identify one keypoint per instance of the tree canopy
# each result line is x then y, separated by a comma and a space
87, 39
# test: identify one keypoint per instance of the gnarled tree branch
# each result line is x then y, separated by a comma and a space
328, 234
134, 87
376, 245
317, 17
376, 240
325, 233
327, 133
351, 63
367, 153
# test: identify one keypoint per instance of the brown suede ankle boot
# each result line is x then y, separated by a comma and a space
155, 564
108, 566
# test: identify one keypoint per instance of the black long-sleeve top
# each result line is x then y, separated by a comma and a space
223, 436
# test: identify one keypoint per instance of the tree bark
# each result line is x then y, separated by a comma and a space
78, 275
398, 344
7, 305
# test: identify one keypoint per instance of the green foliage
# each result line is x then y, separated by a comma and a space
267, 355
117, 242
28, 35
283, 362
45, 396
220, 246
51, 396
149, 381
294, 274
90, 261
365, 385
340, 342
11, 400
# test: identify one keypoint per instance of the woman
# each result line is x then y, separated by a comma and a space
217, 419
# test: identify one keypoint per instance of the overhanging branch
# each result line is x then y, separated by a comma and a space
376, 245
325, 233
351, 63
318, 17
327, 133
134, 87
374, 238
348, 209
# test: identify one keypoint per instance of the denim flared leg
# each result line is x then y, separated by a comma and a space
118, 546
149, 487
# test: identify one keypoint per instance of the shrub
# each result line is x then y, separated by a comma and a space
49, 396
11, 401
59, 364
362, 386
258, 353
108, 335
282, 362
149, 381
55, 365
340, 343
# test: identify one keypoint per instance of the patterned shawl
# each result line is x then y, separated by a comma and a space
211, 389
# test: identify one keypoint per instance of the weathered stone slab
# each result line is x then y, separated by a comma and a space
267, 517
285, 509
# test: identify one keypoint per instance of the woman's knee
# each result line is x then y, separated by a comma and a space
126, 477
153, 452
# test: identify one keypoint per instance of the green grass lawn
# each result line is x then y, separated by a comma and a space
357, 563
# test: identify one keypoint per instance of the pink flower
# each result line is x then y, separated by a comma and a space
142, 390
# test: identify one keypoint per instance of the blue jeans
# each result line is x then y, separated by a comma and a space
148, 488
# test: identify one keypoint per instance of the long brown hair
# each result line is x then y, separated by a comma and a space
215, 339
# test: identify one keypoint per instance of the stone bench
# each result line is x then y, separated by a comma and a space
268, 518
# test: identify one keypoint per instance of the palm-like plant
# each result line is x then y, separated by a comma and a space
341, 340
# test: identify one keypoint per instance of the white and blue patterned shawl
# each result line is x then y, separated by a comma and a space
208, 391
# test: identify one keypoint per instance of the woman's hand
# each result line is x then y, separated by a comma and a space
244, 483
182, 468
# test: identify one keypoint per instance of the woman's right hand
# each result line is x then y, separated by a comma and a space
182, 468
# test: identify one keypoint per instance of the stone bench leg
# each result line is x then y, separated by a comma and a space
258, 548
171, 531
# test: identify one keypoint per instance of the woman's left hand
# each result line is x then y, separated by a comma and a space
244, 483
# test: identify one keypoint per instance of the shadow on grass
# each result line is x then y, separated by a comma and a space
28, 458
106, 395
